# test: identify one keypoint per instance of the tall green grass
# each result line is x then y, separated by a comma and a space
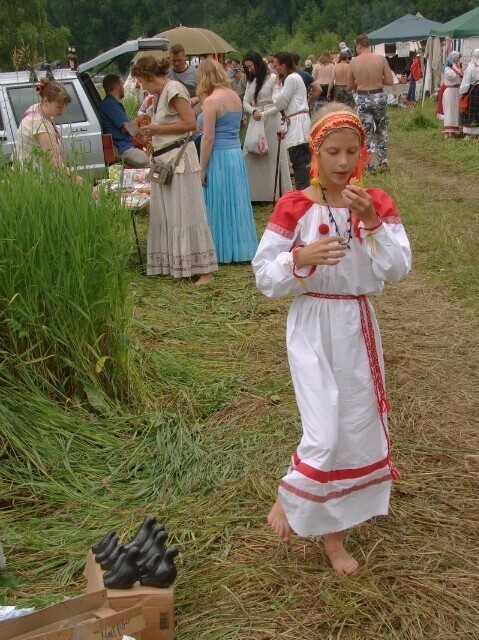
64, 301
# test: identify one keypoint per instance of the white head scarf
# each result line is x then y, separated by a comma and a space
475, 57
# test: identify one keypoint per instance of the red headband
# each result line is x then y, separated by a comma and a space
332, 122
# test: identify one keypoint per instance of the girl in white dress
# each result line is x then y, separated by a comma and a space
330, 246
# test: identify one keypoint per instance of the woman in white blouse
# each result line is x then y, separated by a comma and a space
39, 139
258, 103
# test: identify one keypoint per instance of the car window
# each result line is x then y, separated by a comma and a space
21, 98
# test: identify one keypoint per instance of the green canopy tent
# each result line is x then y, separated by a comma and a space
465, 26
406, 29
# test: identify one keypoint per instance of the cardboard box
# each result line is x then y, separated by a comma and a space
81, 618
157, 604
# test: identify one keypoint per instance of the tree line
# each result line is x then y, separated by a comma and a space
44, 29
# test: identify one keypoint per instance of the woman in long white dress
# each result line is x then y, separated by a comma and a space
450, 97
179, 239
258, 103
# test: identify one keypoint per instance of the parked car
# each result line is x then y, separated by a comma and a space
86, 146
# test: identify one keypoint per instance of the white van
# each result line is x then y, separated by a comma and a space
85, 144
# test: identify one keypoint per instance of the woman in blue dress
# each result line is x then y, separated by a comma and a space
223, 171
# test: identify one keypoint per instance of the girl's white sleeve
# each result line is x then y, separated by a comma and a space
273, 266
389, 250
388, 245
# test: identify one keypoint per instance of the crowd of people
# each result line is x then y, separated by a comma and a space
195, 114
190, 120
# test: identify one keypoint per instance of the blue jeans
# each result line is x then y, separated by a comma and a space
411, 94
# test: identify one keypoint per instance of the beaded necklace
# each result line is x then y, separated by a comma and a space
349, 232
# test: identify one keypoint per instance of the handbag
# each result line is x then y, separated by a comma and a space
163, 172
464, 99
255, 140
464, 102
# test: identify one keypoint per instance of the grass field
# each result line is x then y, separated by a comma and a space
214, 424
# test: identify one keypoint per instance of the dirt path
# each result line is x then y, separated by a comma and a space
432, 356
425, 168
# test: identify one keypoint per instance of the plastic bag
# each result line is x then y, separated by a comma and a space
14, 612
255, 141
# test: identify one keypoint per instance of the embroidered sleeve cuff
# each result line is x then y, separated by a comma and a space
303, 272
374, 229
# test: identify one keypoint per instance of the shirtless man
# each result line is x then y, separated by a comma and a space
338, 85
368, 73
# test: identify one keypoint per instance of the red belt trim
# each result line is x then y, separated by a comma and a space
336, 474
368, 334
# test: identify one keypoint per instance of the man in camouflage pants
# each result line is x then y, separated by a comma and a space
368, 73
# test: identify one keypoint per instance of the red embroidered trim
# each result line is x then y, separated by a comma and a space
335, 474
392, 220
295, 274
280, 230
334, 494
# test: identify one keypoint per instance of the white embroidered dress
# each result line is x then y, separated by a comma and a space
340, 474
261, 169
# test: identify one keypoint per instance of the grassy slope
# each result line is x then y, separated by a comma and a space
209, 449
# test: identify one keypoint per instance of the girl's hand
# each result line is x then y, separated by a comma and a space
359, 202
203, 177
257, 115
326, 251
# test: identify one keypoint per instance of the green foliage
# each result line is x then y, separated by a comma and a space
245, 24
63, 292
418, 121
25, 24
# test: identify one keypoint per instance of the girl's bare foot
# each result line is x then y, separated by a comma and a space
342, 563
204, 279
278, 521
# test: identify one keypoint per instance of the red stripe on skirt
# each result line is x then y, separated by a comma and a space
334, 494
336, 474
